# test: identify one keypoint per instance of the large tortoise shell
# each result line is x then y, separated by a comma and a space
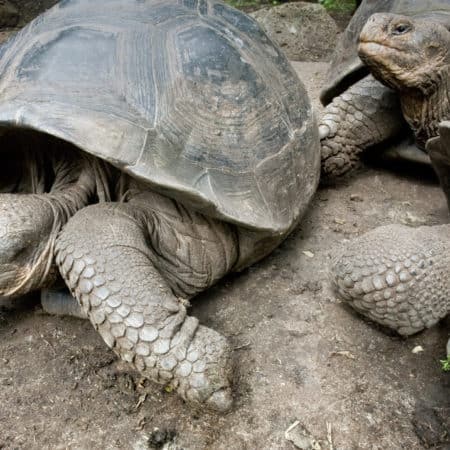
189, 96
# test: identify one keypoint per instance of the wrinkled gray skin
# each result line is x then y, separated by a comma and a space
396, 275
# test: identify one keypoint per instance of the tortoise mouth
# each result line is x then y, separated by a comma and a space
373, 48
383, 60
387, 64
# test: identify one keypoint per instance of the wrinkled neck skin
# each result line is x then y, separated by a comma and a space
424, 109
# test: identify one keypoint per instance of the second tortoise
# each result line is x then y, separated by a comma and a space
362, 113
396, 275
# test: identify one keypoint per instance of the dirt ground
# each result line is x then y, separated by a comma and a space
300, 355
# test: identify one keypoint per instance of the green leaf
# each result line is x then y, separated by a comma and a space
445, 363
338, 5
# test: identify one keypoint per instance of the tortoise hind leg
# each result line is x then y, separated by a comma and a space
104, 254
366, 114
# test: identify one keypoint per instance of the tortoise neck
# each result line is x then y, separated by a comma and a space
425, 109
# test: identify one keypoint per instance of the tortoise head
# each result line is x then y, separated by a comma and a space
405, 53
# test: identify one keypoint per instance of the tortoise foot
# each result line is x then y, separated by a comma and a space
397, 276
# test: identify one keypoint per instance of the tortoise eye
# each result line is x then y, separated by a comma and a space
401, 28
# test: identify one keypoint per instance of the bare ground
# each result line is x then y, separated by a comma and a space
300, 355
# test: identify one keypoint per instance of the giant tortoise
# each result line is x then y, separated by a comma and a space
398, 276
149, 148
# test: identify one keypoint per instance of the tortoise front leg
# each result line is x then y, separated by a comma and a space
397, 276
104, 256
366, 114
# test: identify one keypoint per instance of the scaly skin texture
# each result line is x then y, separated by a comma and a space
397, 276
367, 114
124, 261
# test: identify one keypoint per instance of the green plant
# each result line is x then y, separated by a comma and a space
339, 5
445, 363
327, 3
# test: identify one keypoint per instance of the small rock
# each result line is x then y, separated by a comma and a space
301, 438
345, 353
159, 439
308, 254
356, 198
417, 349
412, 219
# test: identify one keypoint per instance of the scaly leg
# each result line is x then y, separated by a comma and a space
367, 114
397, 276
115, 258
